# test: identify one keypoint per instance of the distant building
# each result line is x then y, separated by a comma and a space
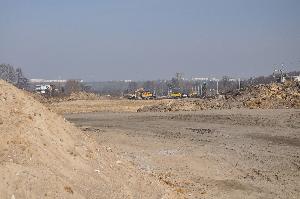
205, 79
214, 79
52, 80
47, 81
200, 79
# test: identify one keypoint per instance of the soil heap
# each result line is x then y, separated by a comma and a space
285, 95
43, 156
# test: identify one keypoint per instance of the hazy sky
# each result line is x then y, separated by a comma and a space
149, 39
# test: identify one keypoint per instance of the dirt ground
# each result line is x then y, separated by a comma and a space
113, 105
234, 153
122, 153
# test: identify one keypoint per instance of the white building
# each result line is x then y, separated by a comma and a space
200, 79
49, 81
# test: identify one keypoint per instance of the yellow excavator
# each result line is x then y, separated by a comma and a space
147, 95
142, 94
175, 94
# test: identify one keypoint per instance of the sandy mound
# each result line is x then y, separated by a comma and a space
42, 156
73, 96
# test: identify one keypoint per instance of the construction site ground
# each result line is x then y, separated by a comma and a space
237, 153
235, 146
107, 105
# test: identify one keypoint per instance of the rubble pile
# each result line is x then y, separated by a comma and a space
270, 96
185, 105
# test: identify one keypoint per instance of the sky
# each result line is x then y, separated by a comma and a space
100, 40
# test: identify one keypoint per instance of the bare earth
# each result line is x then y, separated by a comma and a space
210, 154
113, 105
122, 153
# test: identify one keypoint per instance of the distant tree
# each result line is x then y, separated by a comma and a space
187, 86
16, 77
132, 86
22, 82
72, 86
226, 84
86, 88
8, 73
149, 85
161, 87
259, 80
177, 82
293, 73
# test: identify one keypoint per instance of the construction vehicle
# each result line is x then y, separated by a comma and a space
142, 94
147, 95
176, 94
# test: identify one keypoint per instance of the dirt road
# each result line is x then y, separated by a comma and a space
208, 154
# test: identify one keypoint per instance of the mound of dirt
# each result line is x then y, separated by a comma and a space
74, 96
43, 156
185, 105
272, 96
83, 96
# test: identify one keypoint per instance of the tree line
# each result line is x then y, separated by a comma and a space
13, 76
160, 87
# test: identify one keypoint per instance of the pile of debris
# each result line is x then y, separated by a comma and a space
270, 96
276, 96
44, 156
185, 105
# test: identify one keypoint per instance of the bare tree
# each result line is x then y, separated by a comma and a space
132, 86
8, 73
22, 82
72, 86
16, 77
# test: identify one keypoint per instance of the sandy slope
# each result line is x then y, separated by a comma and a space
43, 156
